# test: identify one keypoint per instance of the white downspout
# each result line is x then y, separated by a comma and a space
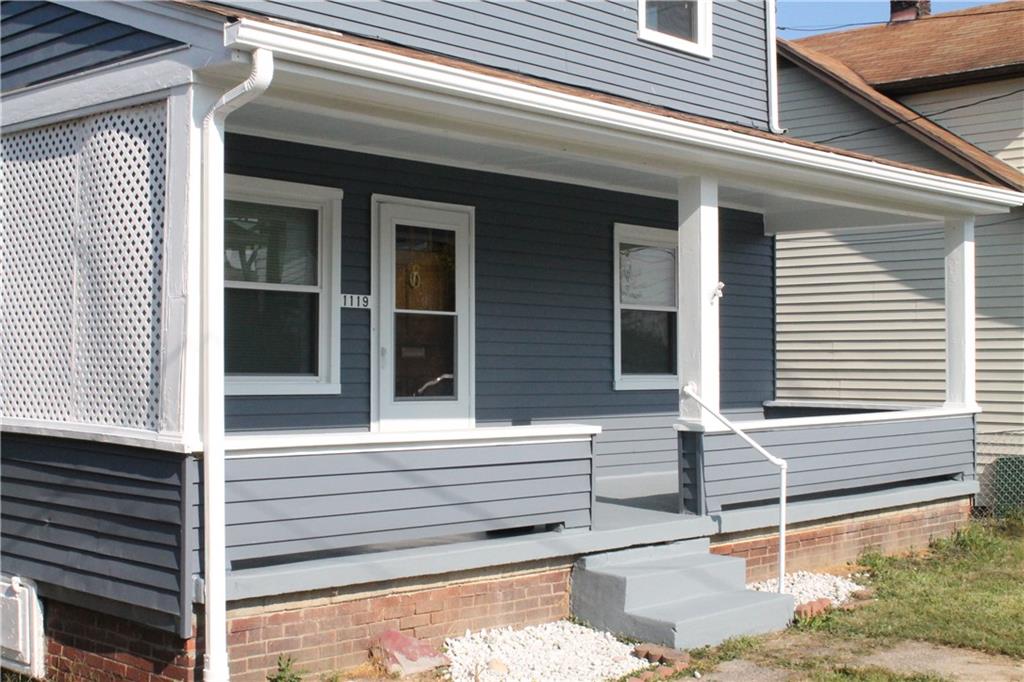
773, 70
215, 665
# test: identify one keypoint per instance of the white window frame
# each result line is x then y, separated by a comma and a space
700, 47
644, 236
327, 202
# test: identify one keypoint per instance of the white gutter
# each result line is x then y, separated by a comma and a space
215, 665
773, 69
616, 127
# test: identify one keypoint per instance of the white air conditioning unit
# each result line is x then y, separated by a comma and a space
22, 643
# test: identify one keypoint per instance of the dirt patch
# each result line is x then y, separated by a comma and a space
748, 671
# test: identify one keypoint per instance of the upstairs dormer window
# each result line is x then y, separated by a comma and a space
683, 25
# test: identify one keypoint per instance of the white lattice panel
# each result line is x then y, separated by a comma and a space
83, 213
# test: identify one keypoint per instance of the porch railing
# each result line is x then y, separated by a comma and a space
691, 390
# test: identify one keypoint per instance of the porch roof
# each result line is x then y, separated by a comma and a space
413, 90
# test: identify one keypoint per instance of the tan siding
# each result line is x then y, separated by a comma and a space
861, 317
997, 126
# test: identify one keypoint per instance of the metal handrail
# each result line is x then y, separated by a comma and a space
691, 390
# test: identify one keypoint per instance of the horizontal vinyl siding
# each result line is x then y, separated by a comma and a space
862, 317
43, 41
100, 520
835, 459
585, 44
996, 125
811, 110
544, 313
284, 508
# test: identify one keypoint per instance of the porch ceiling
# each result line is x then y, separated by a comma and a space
331, 93
391, 134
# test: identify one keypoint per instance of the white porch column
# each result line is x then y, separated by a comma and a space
960, 317
697, 266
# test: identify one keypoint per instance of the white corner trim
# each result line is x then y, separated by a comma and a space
289, 443
702, 47
618, 126
154, 440
327, 202
834, 420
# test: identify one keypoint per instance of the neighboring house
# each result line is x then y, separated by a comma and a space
860, 312
325, 319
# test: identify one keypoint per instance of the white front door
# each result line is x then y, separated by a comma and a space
425, 326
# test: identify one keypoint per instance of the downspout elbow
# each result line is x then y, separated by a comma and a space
252, 87
772, 60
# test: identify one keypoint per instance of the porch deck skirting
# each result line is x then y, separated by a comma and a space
377, 491
826, 458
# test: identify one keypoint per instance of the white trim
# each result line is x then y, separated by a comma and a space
699, 292
846, 405
611, 131
391, 415
704, 25
643, 236
171, 442
833, 420
176, 21
960, 313
288, 443
327, 202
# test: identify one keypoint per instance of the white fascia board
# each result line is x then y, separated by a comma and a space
616, 128
154, 440
134, 81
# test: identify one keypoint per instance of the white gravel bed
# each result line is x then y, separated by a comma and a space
806, 586
554, 652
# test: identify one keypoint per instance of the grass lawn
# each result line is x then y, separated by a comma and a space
966, 591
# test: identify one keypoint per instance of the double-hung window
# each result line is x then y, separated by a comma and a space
680, 24
282, 260
646, 306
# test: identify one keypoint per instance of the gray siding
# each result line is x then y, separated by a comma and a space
42, 41
288, 508
811, 110
832, 459
544, 311
99, 520
585, 44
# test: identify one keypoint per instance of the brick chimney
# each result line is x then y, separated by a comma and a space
908, 10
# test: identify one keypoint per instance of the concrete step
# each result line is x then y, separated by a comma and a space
678, 595
713, 618
650, 582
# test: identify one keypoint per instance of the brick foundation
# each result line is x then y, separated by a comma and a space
817, 545
86, 646
332, 630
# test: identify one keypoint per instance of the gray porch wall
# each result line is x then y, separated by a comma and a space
544, 332
831, 459
99, 525
585, 44
43, 41
296, 507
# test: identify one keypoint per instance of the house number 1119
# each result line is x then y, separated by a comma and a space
356, 301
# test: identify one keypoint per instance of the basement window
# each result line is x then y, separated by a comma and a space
683, 25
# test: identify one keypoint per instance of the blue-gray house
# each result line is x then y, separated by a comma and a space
320, 319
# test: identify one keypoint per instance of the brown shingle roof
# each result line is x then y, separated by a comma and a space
984, 40
950, 145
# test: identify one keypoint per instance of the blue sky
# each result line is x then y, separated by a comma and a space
815, 13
